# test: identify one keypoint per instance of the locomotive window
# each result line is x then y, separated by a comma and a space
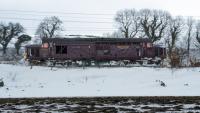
58, 49
32, 52
61, 49
138, 52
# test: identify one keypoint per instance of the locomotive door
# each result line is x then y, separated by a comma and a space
144, 52
50, 49
34, 52
138, 51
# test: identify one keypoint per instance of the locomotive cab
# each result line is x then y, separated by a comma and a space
32, 52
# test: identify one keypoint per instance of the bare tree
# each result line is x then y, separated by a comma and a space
198, 34
7, 32
190, 27
128, 22
175, 28
49, 27
154, 23
21, 39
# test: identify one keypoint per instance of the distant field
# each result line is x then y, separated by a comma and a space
102, 104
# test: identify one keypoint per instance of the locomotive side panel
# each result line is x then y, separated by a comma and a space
72, 51
103, 52
126, 52
149, 52
118, 51
81, 52
44, 53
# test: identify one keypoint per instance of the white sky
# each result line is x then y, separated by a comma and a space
110, 7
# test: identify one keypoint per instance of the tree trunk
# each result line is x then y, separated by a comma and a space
4, 49
188, 47
126, 33
17, 50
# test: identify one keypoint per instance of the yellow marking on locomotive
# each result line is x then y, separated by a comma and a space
123, 46
25, 55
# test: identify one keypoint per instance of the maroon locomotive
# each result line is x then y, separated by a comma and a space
94, 49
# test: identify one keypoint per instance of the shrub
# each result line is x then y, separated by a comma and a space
1, 83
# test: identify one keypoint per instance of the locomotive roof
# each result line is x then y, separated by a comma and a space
94, 40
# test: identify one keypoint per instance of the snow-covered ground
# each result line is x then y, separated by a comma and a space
21, 81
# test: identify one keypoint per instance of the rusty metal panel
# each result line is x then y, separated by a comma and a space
44, 52
120, 52
79, 51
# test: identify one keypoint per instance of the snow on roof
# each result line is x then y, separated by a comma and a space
82, 40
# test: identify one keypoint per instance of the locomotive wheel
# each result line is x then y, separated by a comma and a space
87, 63
126, 62
97, 63
158, 62
121, 63
68, 63
140, 62
50, 63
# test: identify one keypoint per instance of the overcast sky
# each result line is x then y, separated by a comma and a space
93, 17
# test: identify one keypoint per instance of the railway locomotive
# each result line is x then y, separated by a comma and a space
69, 51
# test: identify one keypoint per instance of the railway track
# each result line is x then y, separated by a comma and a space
102, 104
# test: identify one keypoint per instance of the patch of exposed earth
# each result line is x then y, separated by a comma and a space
102, 104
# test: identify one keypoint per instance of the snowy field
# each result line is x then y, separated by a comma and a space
21, 81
